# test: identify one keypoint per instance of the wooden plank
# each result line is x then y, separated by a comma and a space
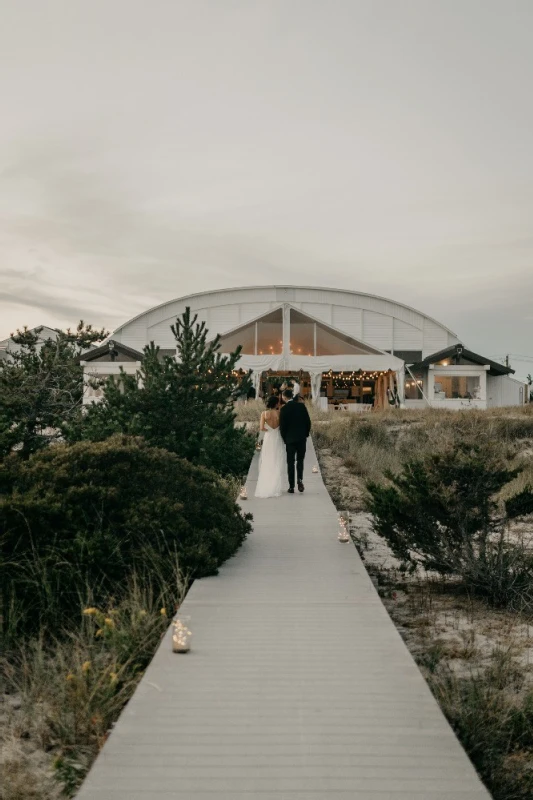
298, 684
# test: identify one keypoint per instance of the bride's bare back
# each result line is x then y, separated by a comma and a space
271, 417
273, 456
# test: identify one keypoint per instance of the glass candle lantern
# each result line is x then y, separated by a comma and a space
344, 536
181, 635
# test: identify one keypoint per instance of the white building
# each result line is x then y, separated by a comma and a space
8, 346
457, 378
348, 349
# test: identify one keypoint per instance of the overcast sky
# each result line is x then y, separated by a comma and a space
154, 148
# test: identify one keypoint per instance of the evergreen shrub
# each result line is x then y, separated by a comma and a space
440, 512
86, 516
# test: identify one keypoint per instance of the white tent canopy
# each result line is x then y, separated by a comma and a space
286, 340
315, 364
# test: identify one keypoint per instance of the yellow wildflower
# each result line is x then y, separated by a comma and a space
163, 612
99, 632
70, 676
86, 666
142, 613
109, 622
90, 612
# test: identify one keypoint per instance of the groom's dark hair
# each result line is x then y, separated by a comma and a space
288, 394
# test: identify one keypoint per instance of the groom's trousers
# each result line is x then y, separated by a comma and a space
296, 450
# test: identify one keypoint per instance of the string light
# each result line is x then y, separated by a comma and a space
343, 536
181, 637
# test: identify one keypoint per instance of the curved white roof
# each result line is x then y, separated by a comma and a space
378, 321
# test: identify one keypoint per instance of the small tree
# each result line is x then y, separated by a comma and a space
243, 384
440, 513
182, 404
41, 387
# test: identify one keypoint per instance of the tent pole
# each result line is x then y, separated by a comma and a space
421, 390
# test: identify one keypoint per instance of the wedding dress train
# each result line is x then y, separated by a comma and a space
271, 465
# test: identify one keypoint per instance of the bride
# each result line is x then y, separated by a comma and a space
272, 461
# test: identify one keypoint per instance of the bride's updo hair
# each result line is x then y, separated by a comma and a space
272, 401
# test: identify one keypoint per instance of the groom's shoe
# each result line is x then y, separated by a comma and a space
301, 487
291, 490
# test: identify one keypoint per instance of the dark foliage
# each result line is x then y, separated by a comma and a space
521, 504
440, 513
440, 507
91, 514
41, 387
184, 405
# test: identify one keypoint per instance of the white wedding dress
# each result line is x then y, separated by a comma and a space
272, 464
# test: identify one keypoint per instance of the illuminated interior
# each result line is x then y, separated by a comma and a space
262, 337
307, 337
465, 387
316, 339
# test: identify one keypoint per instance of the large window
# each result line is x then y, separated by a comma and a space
307, 337
303, 334
270, 333
467, 387
257, 338
316, 339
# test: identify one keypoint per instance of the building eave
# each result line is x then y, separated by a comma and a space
469, 355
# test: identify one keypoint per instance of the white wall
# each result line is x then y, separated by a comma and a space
503, 390
380, 322
100, 371
496, 390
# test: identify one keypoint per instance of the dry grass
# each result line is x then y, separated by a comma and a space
252, 409
477, 660
373, 444
64, 695
249, 411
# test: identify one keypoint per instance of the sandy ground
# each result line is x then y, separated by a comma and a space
430, 614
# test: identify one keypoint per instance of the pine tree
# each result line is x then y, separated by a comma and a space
182, 403
41, 387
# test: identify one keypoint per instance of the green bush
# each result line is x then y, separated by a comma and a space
183, 404
440, 513
89, 515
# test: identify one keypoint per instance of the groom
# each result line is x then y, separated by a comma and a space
294, 426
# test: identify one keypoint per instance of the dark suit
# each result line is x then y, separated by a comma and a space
295, 427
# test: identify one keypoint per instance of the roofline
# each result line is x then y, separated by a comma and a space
282, 286
31, 330
499, 369
90, 355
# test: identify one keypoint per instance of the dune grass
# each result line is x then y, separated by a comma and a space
70, 688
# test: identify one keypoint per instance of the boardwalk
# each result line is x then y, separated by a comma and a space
298, 686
